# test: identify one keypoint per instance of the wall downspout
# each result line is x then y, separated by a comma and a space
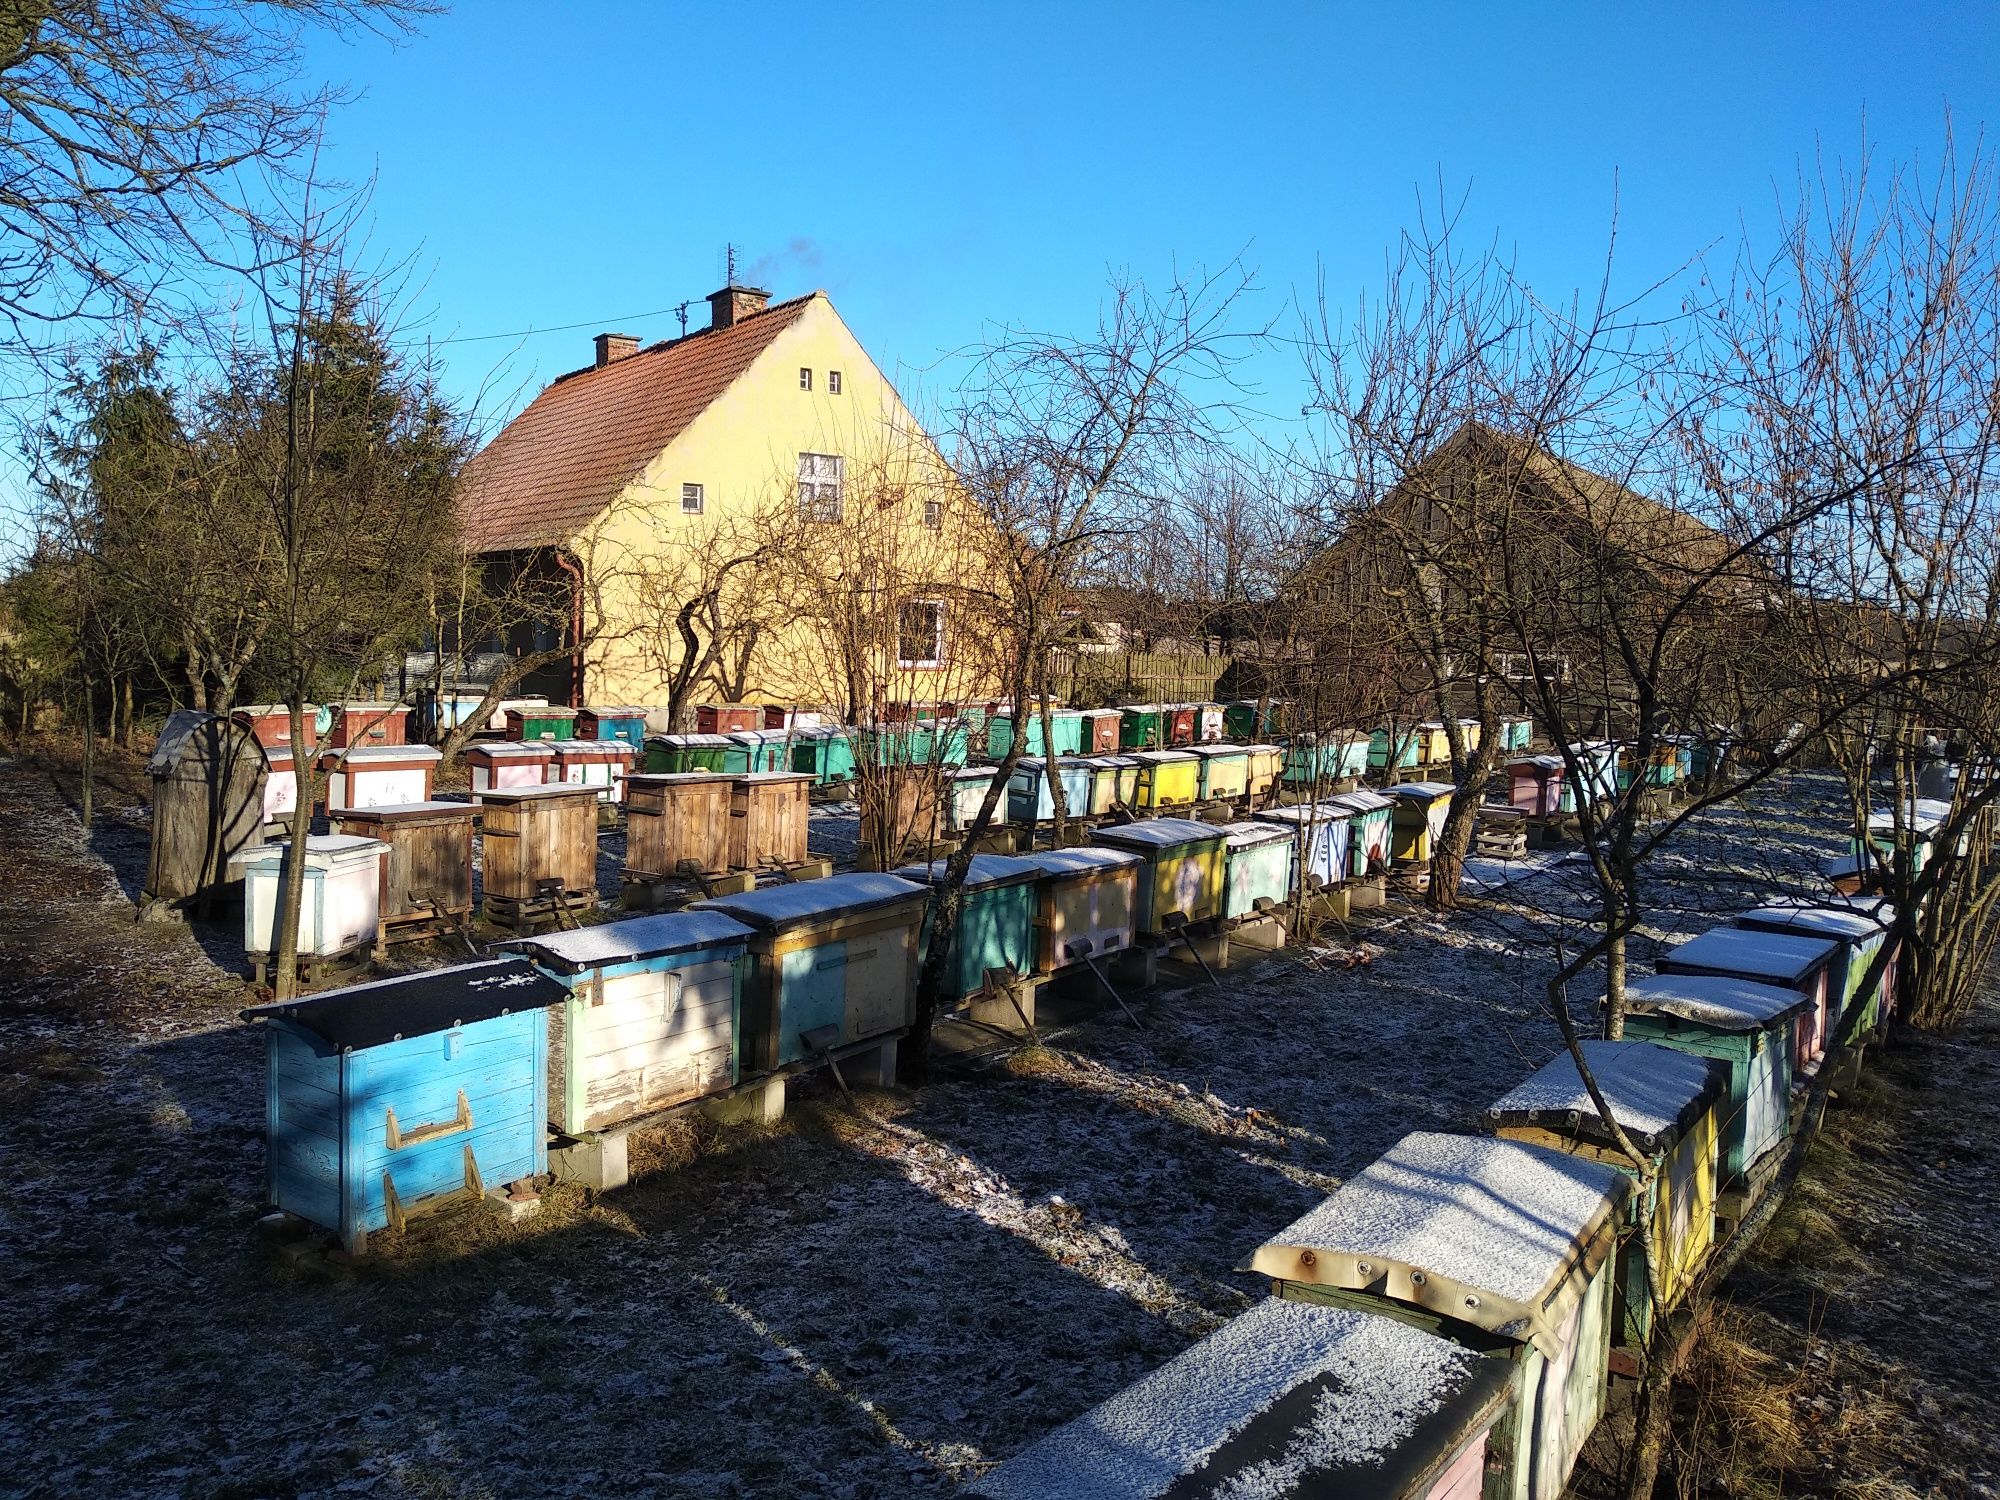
569, 566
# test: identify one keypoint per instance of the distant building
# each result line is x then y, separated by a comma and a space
769, 435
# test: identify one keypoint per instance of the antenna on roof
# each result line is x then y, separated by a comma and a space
682, 313
729, 265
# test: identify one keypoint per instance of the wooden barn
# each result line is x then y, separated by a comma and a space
208, 778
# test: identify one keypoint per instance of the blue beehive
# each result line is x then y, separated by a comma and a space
386, 1099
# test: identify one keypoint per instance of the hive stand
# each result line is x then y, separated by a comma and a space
1006, 1002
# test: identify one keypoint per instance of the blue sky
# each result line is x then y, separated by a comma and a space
938, 167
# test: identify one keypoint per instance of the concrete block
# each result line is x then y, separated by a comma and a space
1263, 934
997, 1006
761, 1103
1370, 890
1333, 905
600, 1162
874, 1067
1136, 968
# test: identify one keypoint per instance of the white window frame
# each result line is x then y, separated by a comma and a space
924, 663
698, 494
833, 382
822, 477
805, 377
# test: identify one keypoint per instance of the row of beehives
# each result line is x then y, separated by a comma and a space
655, 1012
404, 869
1448, 1322
1541, 787
829, 753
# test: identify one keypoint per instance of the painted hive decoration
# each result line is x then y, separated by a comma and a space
1100, 730
1511, 1240
1182, 874
1746, 1025
379, 775
508, 767
1790, 960
1372, 839
996, 920
650, 1015
1320, 833
1257, 868
602, 764
1287, 1399
387, 1099
1665, 1102
833, 959
1084, 902
208, 777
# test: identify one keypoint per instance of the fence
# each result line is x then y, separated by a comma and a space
1096, 677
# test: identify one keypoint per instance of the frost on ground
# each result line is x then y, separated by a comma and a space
876, 1303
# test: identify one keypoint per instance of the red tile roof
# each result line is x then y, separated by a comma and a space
590, 433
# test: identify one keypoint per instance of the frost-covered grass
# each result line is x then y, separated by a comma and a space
873, 1303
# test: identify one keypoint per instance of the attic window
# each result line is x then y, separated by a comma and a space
819, 486
920, 634
934, 514
833, 382
691, 499
805, 377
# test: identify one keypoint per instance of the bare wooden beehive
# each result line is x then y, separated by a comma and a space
535, 834
768, 812
676, 817
427, 873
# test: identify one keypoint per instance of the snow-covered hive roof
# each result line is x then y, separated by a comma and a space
631, 940
1250, 835
779, 906
1361, 800
1289, 1398
1773, 957
1162, 833
1084, 860
984, 871
1422, 791
1718, 1000
1494, 1233
1821, 919
1301, 813
1655, 1094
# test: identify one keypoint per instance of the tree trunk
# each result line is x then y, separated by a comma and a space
89, 746
285, 937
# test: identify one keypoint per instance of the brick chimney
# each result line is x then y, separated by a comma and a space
612, 347
734, 303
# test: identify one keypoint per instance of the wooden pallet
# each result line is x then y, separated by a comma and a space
1500, 833
559, 909
314, 969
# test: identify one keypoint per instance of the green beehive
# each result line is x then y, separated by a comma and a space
1066, 729
1409, 746
996, 920
1143, 726
677, 754
1000, 735
824, 753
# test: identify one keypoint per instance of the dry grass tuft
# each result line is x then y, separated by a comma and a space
1036, 1061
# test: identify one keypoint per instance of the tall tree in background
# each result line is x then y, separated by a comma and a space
139, 141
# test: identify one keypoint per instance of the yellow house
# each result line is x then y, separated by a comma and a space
747, 513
